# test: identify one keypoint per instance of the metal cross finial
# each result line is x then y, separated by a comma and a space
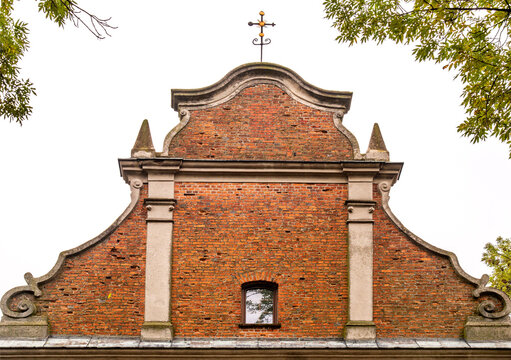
261, 39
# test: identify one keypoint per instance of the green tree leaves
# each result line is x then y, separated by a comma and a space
468, 37
498, 258
15, 92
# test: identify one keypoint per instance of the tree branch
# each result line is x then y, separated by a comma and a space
95, 22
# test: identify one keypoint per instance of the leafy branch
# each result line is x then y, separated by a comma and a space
15, 92
61, 10
498, 258
468, 37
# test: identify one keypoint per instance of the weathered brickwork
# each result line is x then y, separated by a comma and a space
226, 234
261, 123
101, 290
229, 233
416, 292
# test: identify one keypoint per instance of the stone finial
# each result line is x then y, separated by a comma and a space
377, 149
143, 147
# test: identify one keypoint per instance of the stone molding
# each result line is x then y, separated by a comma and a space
260, 73
486, 308
260, 171
184, 117
444, 346
26, 307
338, 117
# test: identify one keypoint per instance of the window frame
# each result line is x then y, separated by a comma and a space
259, 285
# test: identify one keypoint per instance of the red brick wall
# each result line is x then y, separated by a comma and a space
229, 233
261, 123
416, 292
101, 290
295, 233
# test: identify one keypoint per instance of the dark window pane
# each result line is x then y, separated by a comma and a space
259, 306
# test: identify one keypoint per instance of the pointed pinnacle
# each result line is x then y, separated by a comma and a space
376, 142
144, 144
377, 149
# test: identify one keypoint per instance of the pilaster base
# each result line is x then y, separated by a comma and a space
157, 331
360, 330
34, 327
478, 328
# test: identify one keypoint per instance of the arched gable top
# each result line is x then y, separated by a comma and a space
261, 73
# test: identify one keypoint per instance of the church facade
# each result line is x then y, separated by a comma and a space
259, 219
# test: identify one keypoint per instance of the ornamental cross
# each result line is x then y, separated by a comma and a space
262, 41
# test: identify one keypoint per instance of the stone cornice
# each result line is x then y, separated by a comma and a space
260, 171
259, 73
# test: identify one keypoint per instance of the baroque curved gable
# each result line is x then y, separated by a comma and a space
261, 112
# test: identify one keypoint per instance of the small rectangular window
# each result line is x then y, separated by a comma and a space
259, 304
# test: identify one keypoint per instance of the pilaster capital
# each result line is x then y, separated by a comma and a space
159, 209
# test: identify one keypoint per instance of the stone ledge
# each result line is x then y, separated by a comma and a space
250, 343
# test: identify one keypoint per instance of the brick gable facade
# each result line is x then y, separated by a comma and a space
260, 181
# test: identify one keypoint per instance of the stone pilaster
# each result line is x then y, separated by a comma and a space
160, 205
360, 205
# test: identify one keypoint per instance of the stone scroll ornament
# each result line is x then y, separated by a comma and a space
23, 306
487, 308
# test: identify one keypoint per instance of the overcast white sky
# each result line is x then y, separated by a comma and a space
60, 179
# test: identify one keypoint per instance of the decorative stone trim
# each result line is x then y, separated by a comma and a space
443, 346
486, 308
338, 117
184, 116
260, 171
256, 73
26, 307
